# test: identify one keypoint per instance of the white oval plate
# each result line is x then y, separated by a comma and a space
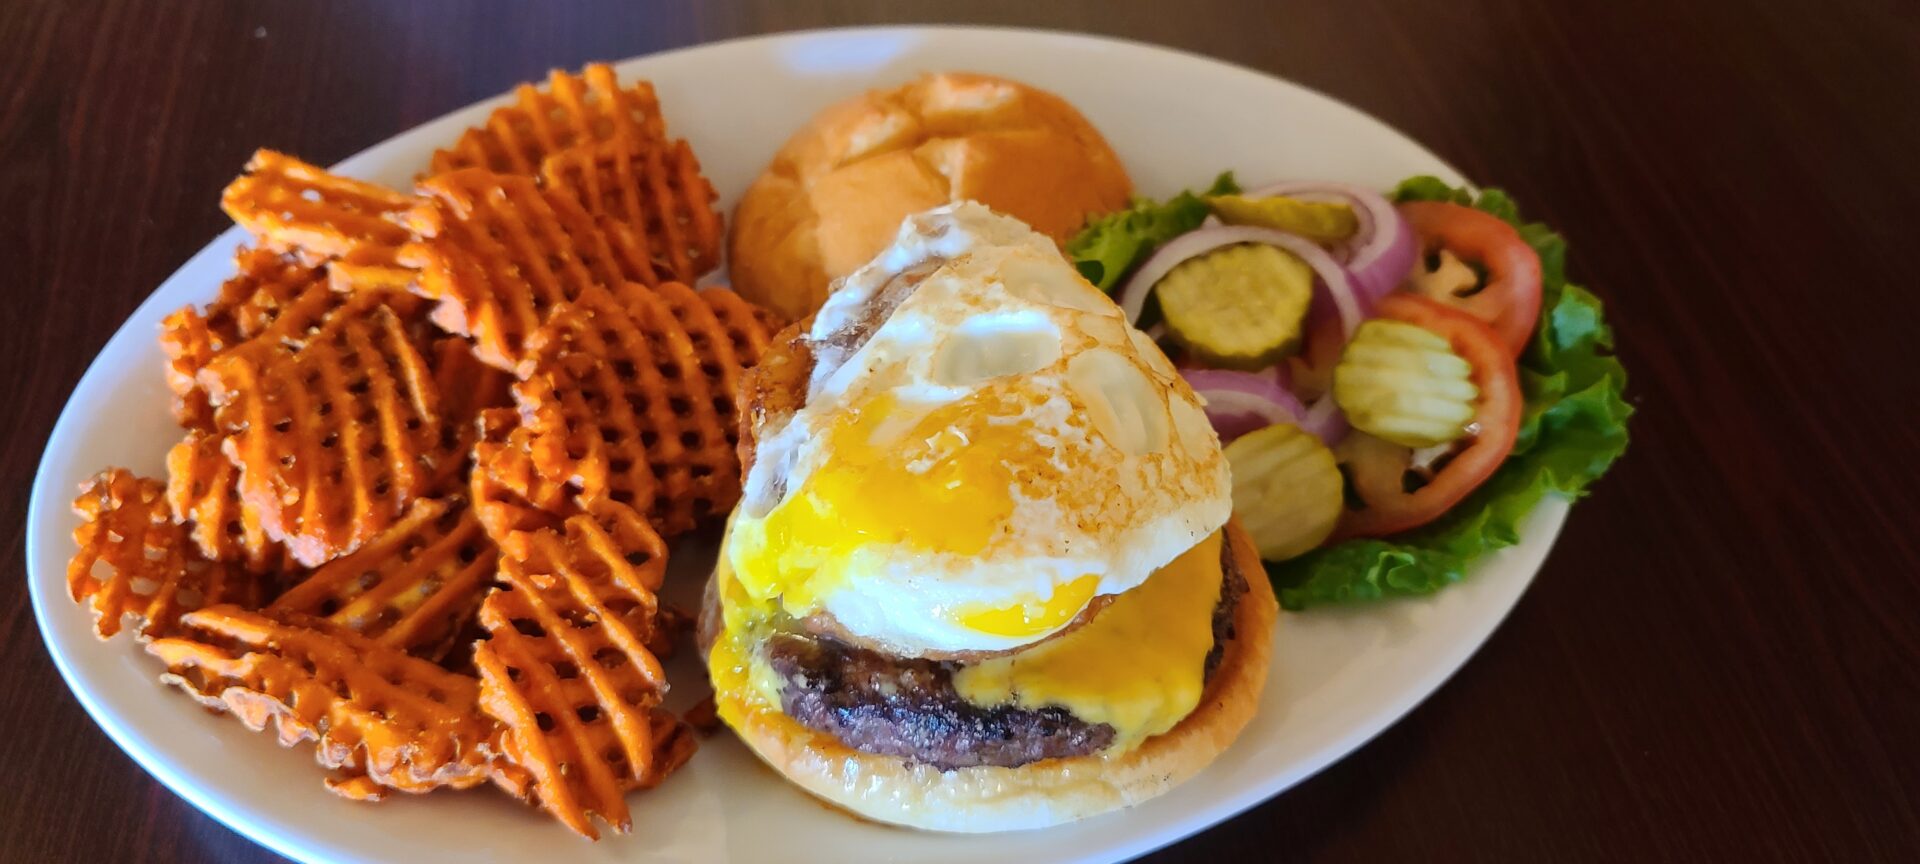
1176, 119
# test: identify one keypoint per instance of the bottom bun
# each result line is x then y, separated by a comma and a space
1051, 791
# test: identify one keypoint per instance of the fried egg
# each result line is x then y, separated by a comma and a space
987, 446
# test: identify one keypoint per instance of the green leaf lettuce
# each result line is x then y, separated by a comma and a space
1112, 245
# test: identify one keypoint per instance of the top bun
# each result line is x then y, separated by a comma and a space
835, 194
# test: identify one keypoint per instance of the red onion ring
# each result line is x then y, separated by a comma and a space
1240, 402
1324, 420
1381, 253
1333, 284
1281, 373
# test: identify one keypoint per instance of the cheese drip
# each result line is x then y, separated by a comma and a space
1138, 666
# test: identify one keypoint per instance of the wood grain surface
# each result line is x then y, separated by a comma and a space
1721, 660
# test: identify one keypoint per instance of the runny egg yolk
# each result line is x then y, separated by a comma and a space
896, 480
1033, 618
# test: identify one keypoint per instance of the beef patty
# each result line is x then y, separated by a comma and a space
876, 703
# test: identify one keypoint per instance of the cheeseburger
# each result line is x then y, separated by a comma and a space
984, 575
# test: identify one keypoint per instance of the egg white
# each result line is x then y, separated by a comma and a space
1117, 471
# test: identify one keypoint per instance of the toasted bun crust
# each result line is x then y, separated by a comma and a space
982, 799
835, 194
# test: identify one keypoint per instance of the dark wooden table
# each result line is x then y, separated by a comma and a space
1721, 660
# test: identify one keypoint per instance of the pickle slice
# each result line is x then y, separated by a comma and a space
1286, 489
1323, 222
1240, 307
1405, 384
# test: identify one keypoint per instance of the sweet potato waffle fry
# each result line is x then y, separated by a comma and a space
627, 397
380, 717
749, 329
295, 207
500, 255
203, 492
134, 560
432, 441
655, 189
573, 110
566, 668
411, 588
728, 335
352, 277
274, 303
466, 386
334, 439
508, 495
703, 374
273, 308
266, 282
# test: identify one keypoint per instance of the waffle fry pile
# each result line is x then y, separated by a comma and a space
431, 444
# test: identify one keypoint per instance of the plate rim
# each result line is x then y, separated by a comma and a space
1543, 523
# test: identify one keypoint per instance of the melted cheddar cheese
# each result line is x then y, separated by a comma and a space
1138, 666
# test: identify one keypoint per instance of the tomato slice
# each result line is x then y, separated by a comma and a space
1508, 298
1395, 495
1310, 372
